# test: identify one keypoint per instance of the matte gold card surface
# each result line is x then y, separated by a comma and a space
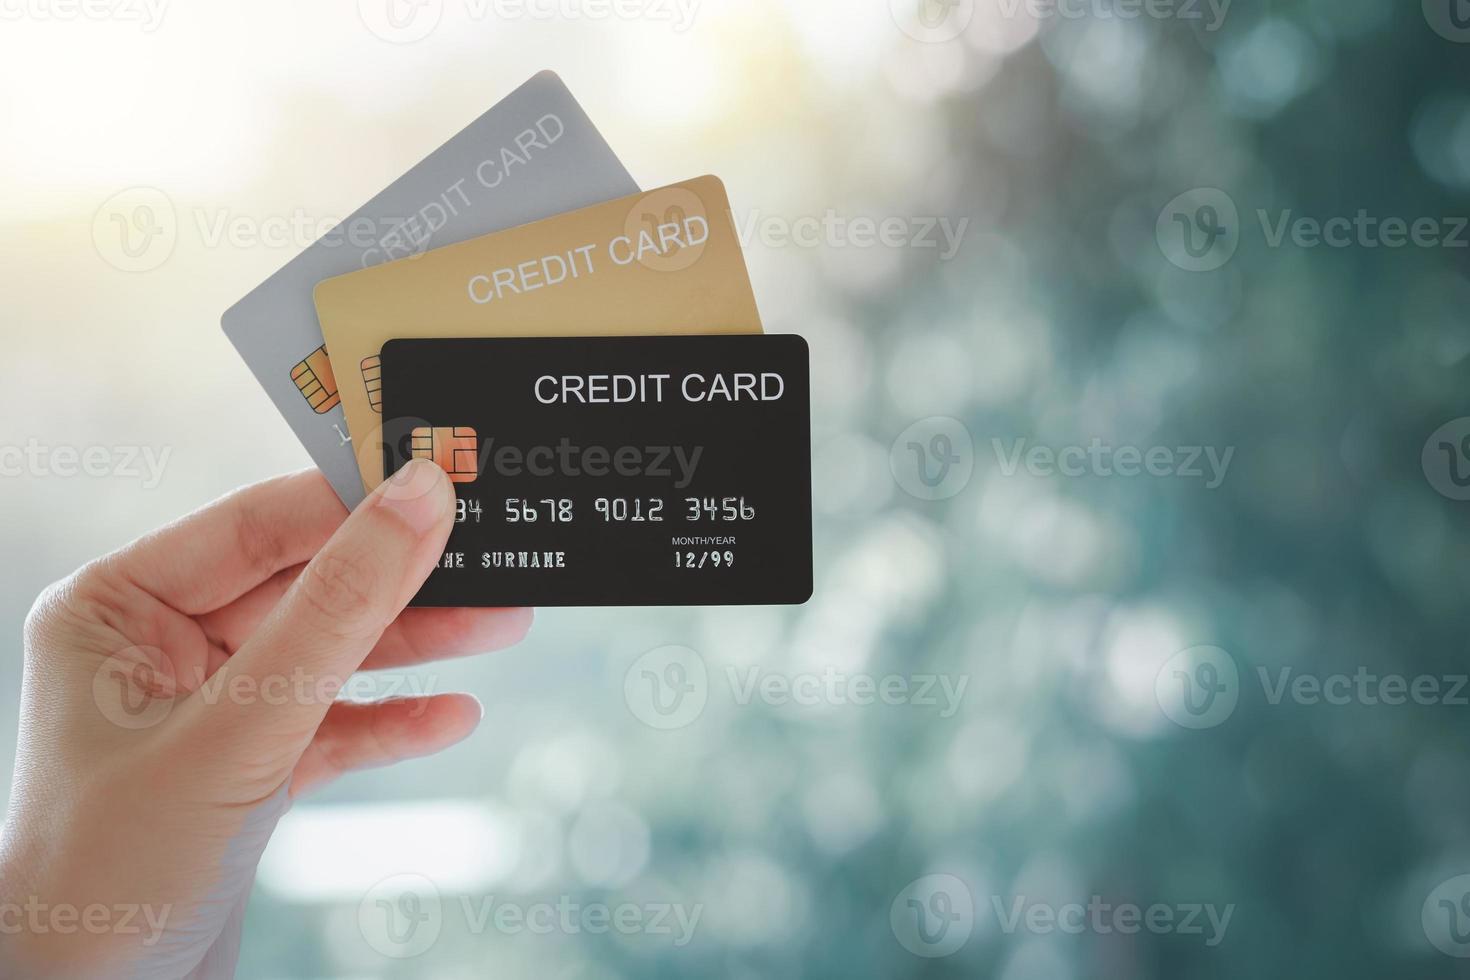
659, 262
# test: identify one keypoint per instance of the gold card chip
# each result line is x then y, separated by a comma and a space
454, 449
316, 382
372, 376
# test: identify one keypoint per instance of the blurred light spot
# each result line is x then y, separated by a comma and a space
1104, 63
840, 376
839, 44
930, 374
752, 901
1017, 346
608, 845
1060, 541
564, 773
850, 476
1139, 641
1035, 959
1441, 138
842, 811
895, 567
339, 852
1199, 303
1267, 68
675, 85
996, 29
986, 759
925, 73
1092, 779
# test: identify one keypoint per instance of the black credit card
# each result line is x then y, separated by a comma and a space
612, 471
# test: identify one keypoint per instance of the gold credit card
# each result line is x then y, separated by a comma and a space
666, 261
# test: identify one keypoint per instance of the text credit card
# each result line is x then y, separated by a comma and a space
610, 471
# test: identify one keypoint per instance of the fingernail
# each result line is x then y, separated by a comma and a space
416, 494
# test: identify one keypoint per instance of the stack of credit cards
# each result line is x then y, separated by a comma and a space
583, 358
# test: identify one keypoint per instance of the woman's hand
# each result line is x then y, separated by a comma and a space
179, 693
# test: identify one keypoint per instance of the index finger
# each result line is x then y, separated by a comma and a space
223, 550
334, 614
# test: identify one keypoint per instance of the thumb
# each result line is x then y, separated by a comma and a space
287, 675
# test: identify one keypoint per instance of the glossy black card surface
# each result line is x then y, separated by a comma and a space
671, 470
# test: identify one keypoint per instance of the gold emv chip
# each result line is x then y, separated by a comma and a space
372, 376
454, 449
316, 382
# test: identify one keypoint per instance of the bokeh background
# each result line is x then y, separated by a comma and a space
1115, 174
